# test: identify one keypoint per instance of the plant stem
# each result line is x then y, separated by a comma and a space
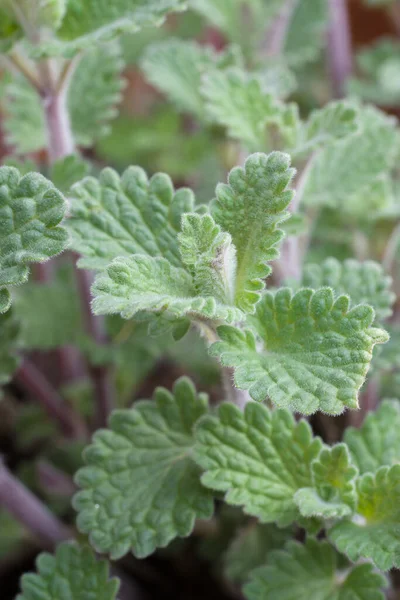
232, 393
100, 374
389, 256
29, 510
277, 33
34, 382
339, 46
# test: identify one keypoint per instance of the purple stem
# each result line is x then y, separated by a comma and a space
35, 383
340, 58
101, 376
277, 33
29, 510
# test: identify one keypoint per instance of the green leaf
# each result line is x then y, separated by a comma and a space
251, 548
237, 101
49, 314
141, 488
305, 35
175, 67
376, 443
347, 168
315, 352
72, 572
210, 256
31, 209
67, 171
145, 283
119, 216
334, 121
312, 570
251, 207
97, 79
374, 532
259, 458
9, 332
90, 22
333, 493
365, 283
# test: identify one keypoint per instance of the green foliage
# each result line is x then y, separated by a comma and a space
72, 572
9, 335
97, 79
315, 351
333, 493
250, 208
31, 209
119, 216
374, 531
67, 171
376, 443
251, 547
175, 67
342, 173
141, 488
88, 22
365, 283
259, 458
312, 570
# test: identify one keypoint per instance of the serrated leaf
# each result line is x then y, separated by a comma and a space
343, 170
90, 22
119, 216
315, 352
250, 208
312, 570
72, 572
67, 171
97, 79
31, 209
237, 101
259, 458
140, 486
365, 283
376, 443
333, 494
210, 256
49, 314
251, 547
9, 331
374, 532
152, 284
175, 67
334, 121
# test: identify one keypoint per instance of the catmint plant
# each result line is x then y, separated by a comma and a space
201, 362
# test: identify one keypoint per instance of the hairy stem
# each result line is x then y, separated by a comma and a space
339, 46
35, 383
29, 510
100, 374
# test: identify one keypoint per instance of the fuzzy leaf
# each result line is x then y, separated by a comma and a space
251, 207
333, 493
140, 486
374, 532
119, 216
97, 79
344, 169
312, 570
334, 121
305, 35
67, 171
237, 101
175, 67
152, 284
72, 572
210, 256
89, 22
251, 548
377, 442
31, 209
315, 355
260, 458
365, 283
